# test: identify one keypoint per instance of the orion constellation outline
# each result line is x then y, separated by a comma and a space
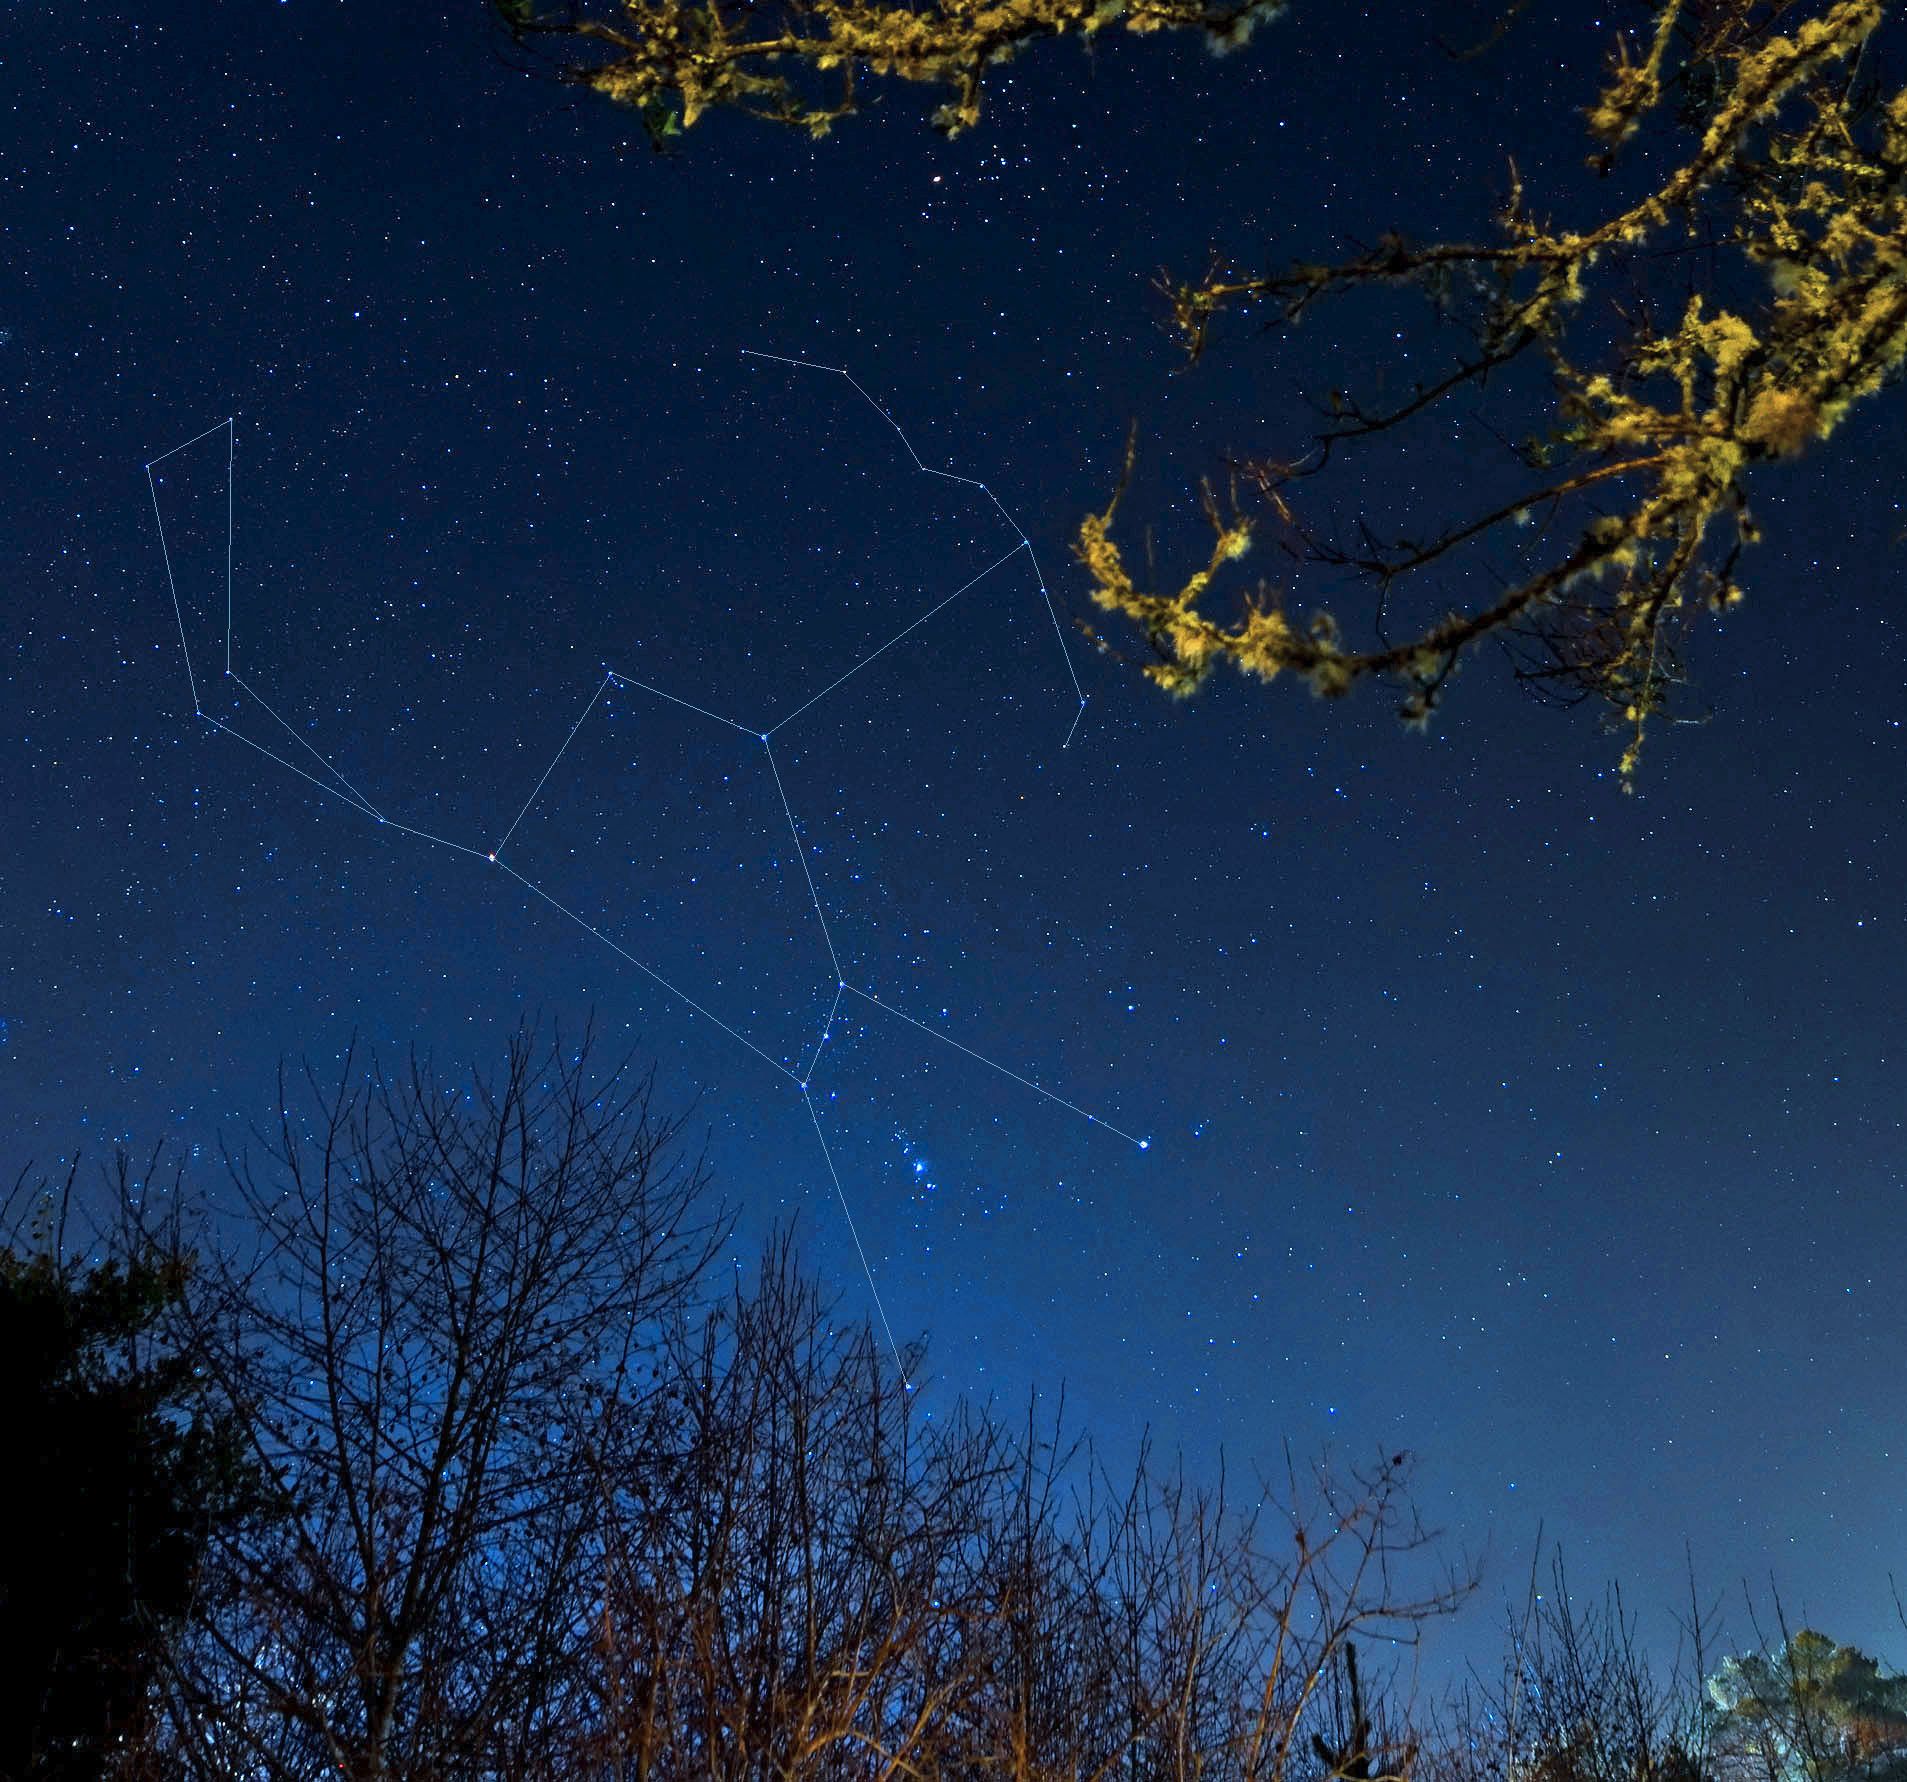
339, 787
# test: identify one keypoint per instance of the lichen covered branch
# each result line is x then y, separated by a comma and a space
1669, 422
799, 63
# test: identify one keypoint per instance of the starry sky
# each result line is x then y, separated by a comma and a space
1551, 1134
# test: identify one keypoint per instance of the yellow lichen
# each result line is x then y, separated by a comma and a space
1781, 421
1652, 440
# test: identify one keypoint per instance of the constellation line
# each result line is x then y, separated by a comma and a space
982, 1058
165, 550
442, 841
369, 807
892, 641
194, 440
801, 854
827, 1027
558, 756
345, 792
647, 970
835, 1175
778, 358
629, 680
1066, 655
273, 755
1052, 613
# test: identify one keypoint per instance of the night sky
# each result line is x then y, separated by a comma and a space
1551, 1134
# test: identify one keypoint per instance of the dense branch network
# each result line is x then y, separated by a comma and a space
798, 63
1792, 168
1789, 159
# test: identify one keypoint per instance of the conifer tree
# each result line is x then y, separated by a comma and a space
120, 1466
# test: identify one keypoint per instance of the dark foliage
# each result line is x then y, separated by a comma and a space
120, 1468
